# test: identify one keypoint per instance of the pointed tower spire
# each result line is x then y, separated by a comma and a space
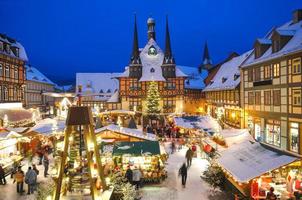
168, 50
206, 60
135, 50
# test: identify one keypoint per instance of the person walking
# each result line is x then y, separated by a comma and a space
129, 175
189, 156
2, 176
183, 173
19, 178
46, 165
31, 180
271, 195
136, 177
172, 147
35, 169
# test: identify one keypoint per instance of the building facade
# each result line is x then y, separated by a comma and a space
180, 87
223, 92
12, 70
271, 87
36, 85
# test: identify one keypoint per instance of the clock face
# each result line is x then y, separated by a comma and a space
152, 51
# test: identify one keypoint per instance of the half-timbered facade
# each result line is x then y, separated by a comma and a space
271, 87
223, 92
12, 72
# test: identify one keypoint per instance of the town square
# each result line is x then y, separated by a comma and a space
150, 100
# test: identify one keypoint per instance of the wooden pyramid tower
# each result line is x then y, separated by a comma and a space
79, 163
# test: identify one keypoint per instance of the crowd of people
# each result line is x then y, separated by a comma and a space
20, 178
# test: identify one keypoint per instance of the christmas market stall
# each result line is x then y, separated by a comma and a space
144, 155
10, 155
15, 117
45, 133
253, 168
120, 117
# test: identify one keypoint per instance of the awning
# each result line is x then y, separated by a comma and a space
136, 148
205, 123
47, 127
249, 160
15, 115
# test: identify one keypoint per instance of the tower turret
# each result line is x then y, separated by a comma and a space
151, 28
206, 60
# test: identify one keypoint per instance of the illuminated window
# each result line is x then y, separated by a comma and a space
258, 98
267, 97
257, 74
297, 97
273, 132
296, 66
267, 72
276, 70
276, 97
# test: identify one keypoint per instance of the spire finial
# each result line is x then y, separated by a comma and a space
168, 50
135, 50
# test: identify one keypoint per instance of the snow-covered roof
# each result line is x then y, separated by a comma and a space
228, 75
128, 131
14, 43
249, 160
234, 136
99, 85
48, 126
194, 80
152, 70
292, 46
114, 98
33, 74
197, 122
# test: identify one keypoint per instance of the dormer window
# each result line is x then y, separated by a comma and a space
108, 91
280, 38
211, 82
261, 46
7, 48
152, 51
236, 76
101, 91
223, 79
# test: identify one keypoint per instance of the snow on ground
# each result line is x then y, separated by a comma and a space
171, 188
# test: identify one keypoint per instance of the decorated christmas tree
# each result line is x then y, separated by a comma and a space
152, 100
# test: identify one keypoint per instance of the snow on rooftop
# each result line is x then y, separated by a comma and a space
114, 98
227, 77
33, 74
194, 80
248, 160
294, 44
47, 126
100, 85
128, 131
14, 43
152, 63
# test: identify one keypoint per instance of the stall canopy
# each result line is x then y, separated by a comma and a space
48, 126
249, 160
16, 115
206, 123
236, 136
136, 133
136, 148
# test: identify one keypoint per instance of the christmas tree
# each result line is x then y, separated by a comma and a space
152, 100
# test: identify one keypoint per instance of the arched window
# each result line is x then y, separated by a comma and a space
152, 51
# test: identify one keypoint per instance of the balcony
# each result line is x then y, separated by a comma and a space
263, 82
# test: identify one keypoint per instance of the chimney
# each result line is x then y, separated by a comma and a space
297, 16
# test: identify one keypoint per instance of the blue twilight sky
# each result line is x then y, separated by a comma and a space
63, 37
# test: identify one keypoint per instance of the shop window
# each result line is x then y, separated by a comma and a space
294, 137
273, 132
297, 97
267, 97
296, 66
276, 70
258, 98
257, 73
267, 72
251, 98
277, 97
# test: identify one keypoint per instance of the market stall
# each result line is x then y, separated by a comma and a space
119, 133
10, 155
144, 155
253, 168
117, 116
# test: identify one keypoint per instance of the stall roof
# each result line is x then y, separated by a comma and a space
236, 136
15, 114
47, 126
136, 148
249, 160
197, 122
128, 131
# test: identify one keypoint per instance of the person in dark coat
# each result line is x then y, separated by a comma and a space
189, 156
271, 195
183, 173
31, 180
46, 165
129, 175
2, 176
